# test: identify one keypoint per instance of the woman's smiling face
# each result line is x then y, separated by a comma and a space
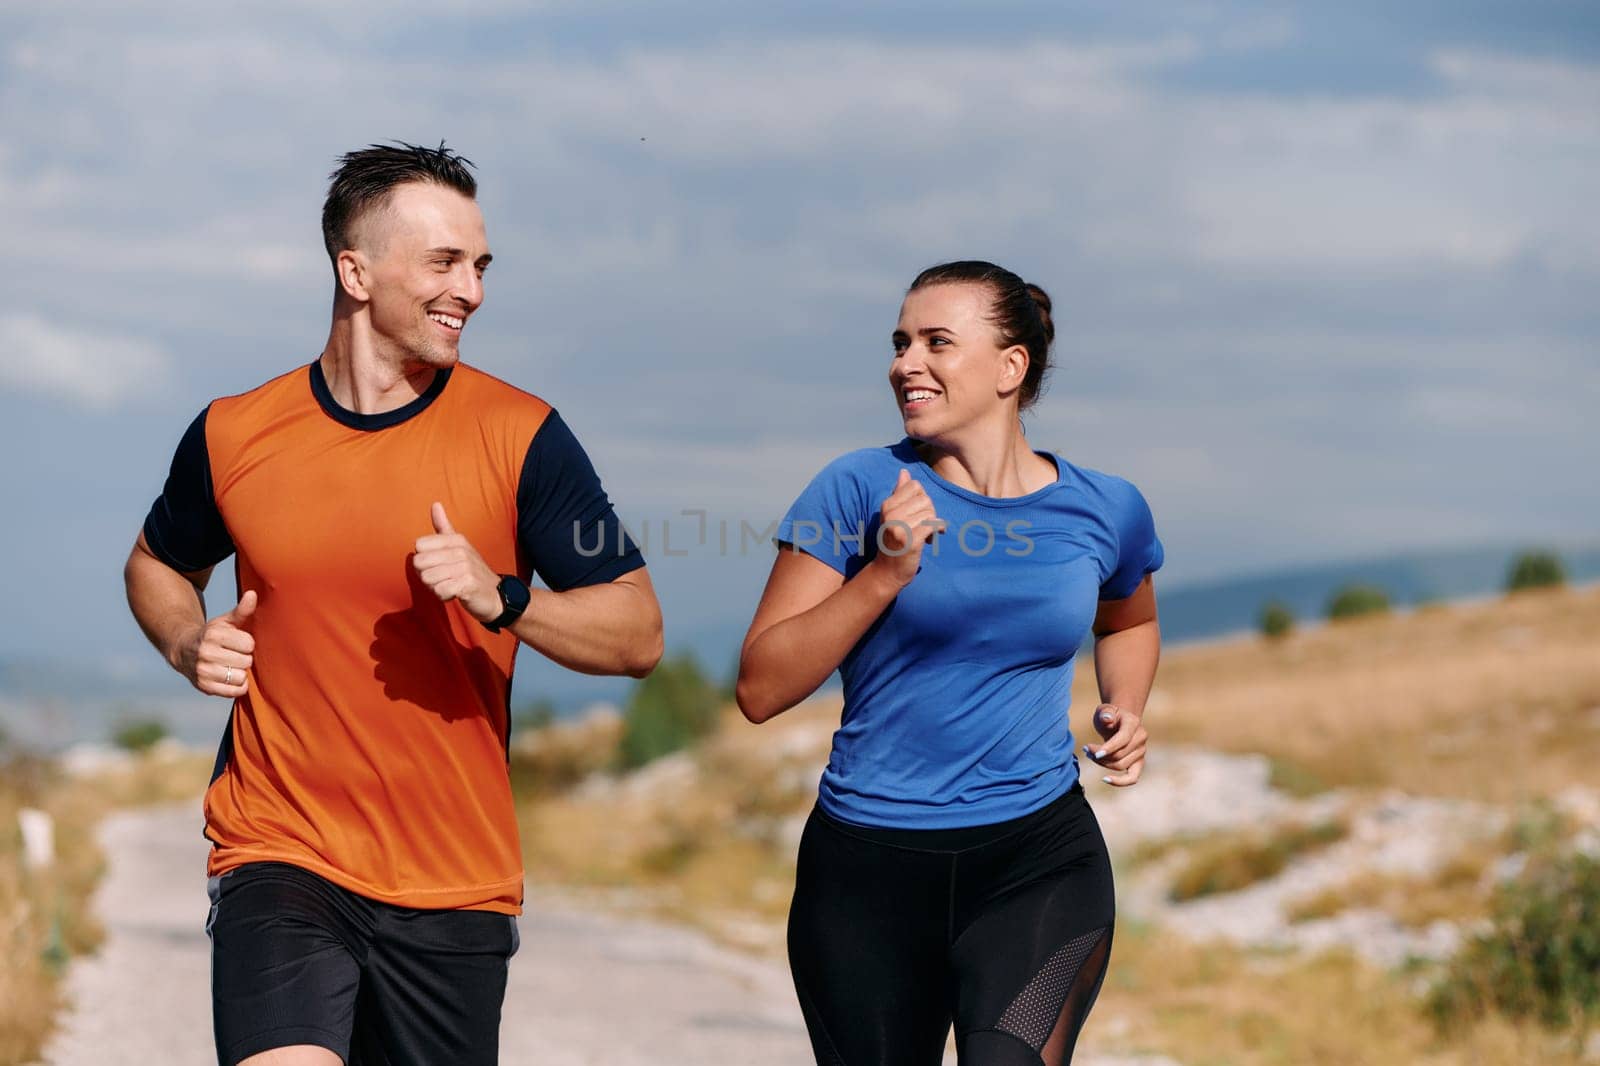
948, 372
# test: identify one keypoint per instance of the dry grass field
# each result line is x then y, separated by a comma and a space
1496, 701
44, 914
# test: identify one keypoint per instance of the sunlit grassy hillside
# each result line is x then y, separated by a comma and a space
1496, 702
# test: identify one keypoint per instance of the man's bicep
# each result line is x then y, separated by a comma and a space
637, 583
198, 578
566, 526
184, 528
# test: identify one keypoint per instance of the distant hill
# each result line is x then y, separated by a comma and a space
51, 703
1204, 610
1217, 608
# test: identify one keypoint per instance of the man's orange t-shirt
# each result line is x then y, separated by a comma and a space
371, 746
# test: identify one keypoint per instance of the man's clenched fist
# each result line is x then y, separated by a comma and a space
216, 657
450, 566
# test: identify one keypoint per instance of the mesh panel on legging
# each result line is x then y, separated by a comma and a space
1033, 1014
1051, 1008
1057, 1051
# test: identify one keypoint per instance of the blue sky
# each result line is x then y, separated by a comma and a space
1325, 275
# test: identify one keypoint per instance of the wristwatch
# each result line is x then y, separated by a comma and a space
514, 598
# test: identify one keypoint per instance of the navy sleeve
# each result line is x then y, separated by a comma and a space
1139, 551
830, 520
565, 523
184, 528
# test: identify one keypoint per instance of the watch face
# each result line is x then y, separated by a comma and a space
514, 594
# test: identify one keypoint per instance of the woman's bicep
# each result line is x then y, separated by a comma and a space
798, 582
1136, 609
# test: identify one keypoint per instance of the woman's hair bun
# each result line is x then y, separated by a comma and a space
1042, 300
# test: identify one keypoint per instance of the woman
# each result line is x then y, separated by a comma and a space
952, 869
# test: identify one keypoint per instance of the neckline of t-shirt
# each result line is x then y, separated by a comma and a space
355, 420
910, 445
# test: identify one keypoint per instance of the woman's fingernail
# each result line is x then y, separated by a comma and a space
1101, 754
1107, 780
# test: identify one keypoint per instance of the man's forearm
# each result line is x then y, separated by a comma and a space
166, 604
1125, 665
612, 628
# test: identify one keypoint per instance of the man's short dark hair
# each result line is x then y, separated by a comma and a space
365, 178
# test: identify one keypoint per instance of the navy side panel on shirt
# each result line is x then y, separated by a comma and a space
184, 528
565, 523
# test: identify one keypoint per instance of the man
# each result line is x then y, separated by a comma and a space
386, 505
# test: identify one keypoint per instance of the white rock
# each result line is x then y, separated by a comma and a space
38, 838
86, 760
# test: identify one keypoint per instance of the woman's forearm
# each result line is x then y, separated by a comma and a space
789, 660
1125, 665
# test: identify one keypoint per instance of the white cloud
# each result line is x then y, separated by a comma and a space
1565, 92
95, 370
929, 144
698, 224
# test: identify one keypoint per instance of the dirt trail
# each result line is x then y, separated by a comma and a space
585, 988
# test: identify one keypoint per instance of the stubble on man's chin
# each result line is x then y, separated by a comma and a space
431, 357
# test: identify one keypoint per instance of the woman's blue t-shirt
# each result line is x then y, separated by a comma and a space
955, 700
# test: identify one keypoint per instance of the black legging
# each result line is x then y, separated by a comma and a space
1003, 929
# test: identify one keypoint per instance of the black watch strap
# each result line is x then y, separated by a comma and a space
514, 597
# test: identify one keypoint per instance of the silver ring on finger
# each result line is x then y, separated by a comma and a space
227, 676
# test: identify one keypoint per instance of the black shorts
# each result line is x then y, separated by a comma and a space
1002, 930
295, 959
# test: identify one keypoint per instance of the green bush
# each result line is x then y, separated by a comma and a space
1355, 600
534, 716
669, 710
730, 683
1535, 570
1276, 619
138, 734
553, 758
1229, 862
1295, 779
1540, 959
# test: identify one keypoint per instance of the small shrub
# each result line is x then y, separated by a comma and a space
560, 755
730, 682
1355, 600
1293, 778
673, 854
1540, 959
534, 717
1538, 827
1276, 620
1535, 570
138, 734
1454, 892
1234, 861
668, 711
1325, 903
1158, 848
